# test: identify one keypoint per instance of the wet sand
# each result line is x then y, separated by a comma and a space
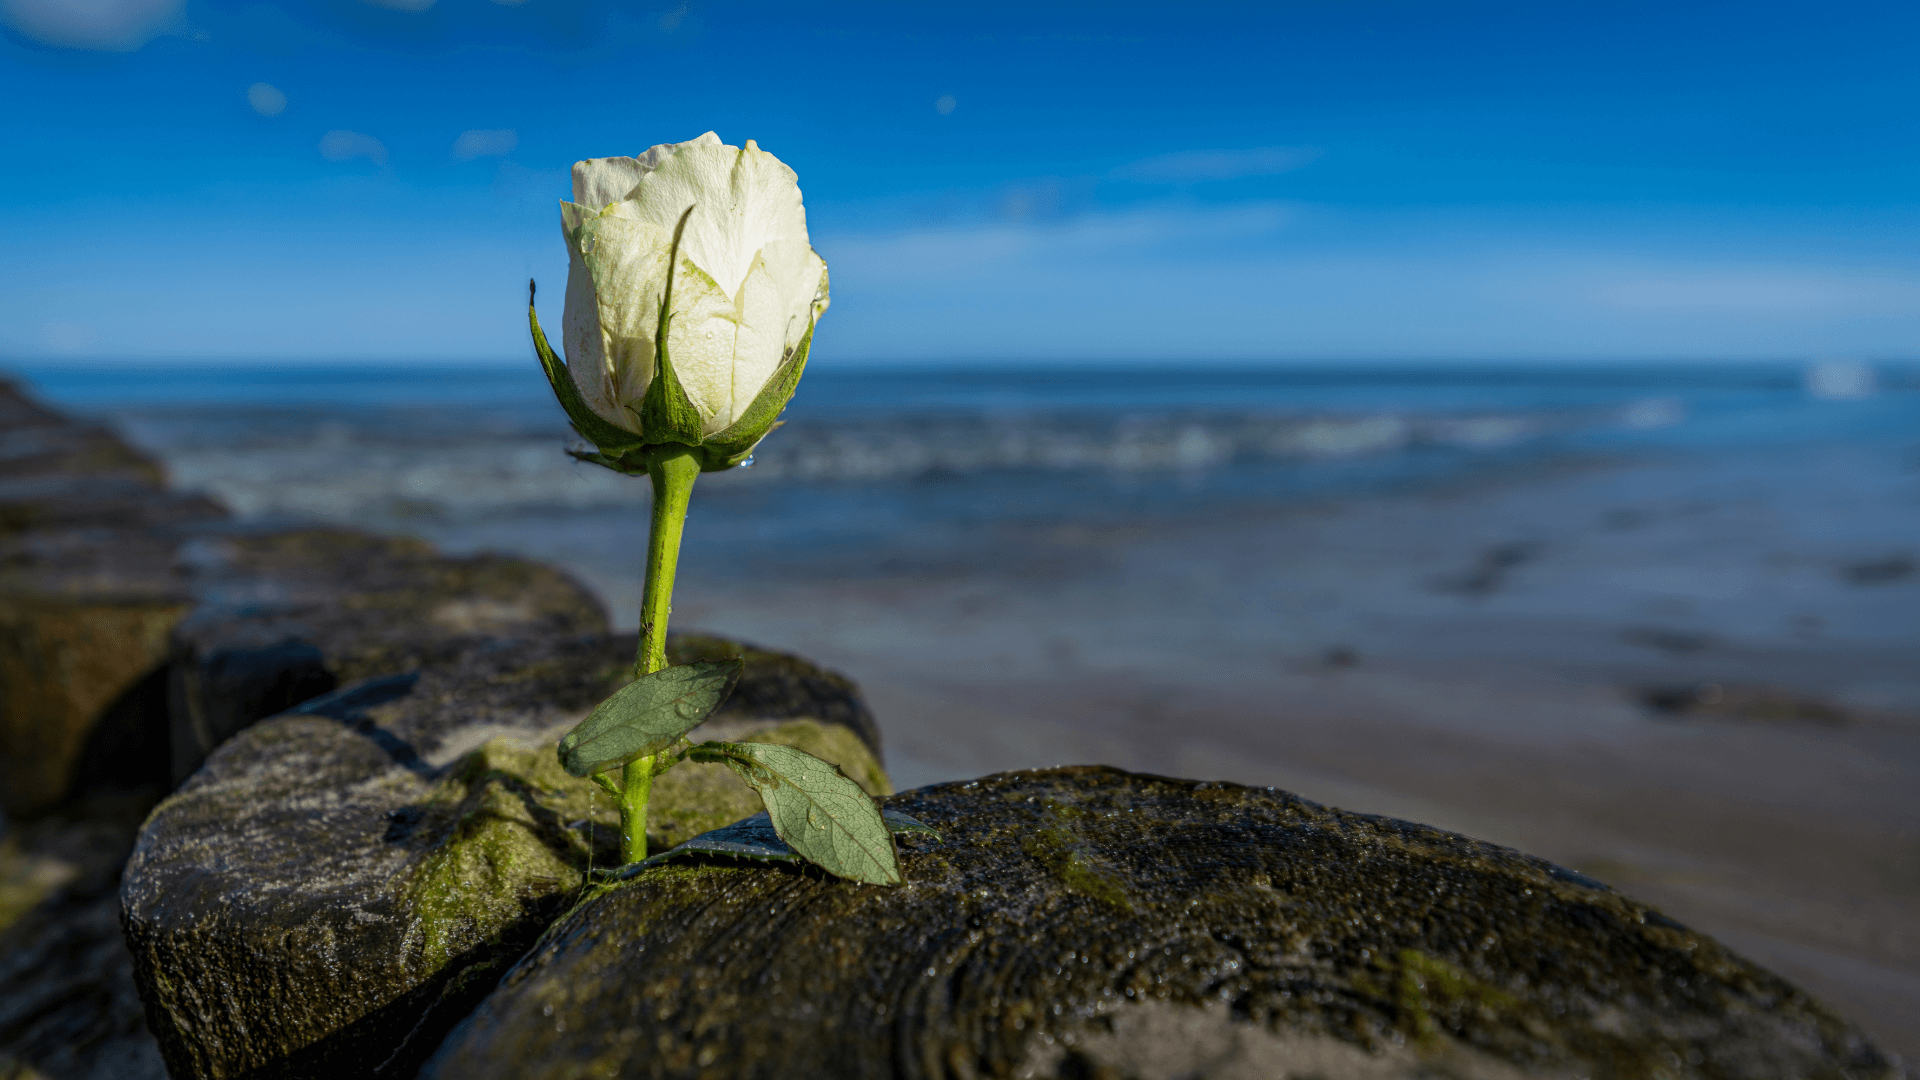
1474, 659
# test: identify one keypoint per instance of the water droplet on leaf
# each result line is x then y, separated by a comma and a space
748, 463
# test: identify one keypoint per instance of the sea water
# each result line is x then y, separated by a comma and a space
887, 470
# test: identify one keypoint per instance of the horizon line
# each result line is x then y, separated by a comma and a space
413, 364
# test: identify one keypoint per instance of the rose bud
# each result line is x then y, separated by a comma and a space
691, 301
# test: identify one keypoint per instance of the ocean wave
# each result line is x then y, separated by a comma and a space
381, 465
908, 449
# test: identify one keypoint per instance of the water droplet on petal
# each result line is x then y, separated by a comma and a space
586, 244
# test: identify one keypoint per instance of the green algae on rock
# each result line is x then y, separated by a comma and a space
1090, 922
339, 884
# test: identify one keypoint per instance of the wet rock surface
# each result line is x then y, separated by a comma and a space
86, 602
99, 566
49, 460
69, 1009
1087, 922
285, 616
86, 590
341, 883
139, 627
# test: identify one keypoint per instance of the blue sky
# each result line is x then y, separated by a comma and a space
343, 179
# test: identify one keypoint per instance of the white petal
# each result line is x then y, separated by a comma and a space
628, 261
743, 199
760, 344
799, 282
599, 181
700, 344
580, 335
657, 154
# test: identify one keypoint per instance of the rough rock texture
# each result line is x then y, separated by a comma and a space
86, 596
56, 471
117, 595
68, 1006
286, 616
1091, 923
65, 663
338, 885
86, 600
231, 626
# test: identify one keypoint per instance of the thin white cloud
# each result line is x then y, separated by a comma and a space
485, 142
1191, 166
347, 145
1719, 291
1041, 200
938, 253
94, 25
67, 338
1277, 280
266, 99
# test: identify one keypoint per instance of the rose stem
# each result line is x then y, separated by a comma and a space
673, 469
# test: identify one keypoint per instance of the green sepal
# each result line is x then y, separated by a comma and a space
647, 715
596, 429
632, 463
667, 415
727, 448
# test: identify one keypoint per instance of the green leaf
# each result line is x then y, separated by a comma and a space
901, 824
816, 809
754, 838
727, 448
596, 429
667, 415
647, 715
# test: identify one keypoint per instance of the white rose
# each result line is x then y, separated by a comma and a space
746, 290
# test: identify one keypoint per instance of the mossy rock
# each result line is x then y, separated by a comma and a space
1088, 922
64, 664
338, 885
